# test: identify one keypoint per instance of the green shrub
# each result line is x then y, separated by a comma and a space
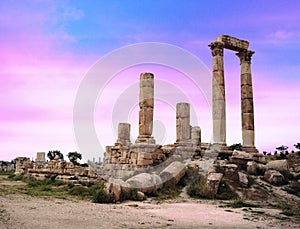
199, 189
80, 191
240, 203
46, 188
101, 196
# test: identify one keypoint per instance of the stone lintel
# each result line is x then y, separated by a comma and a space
232, 43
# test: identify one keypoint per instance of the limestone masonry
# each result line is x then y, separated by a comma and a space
126, 158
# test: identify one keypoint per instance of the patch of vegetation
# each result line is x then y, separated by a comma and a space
289, 210
6, 172
167, 192
101, 196
199, 189
240, 203
237, 146
190, 175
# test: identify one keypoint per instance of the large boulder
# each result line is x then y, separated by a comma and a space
145, 182
116, 187
172, 174
255, 168
213, 182
278, 165
274, 177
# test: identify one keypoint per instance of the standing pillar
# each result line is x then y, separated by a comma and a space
247, 110
196, 136
146, 104
183, 130
218, 94
124, 134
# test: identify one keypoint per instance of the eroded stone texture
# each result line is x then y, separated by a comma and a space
196, 135
124, 134
247, 110
218, 93
146, 104
22, 165
213, 182
40, 157
232, 43
183, 131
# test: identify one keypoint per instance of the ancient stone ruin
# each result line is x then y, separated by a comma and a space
147, 166
218, 91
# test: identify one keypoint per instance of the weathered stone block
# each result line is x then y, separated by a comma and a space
278, 165
145, 121
172, 174
232, 43
213, 182
247, 91
243, 179
274, 177
247, 106
196, 135
145, 182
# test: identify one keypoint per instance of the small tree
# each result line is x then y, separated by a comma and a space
297, 145
74, 156
237, 146
282, 148
55, 153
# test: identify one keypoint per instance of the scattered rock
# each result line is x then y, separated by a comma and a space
172, 174
278, 165
116, 187
145, 182
213, 181
243, 179
255, 168
140, 196
274, 177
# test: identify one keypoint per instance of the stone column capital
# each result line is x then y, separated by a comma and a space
216, 48
245, 55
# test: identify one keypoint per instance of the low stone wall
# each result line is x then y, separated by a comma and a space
61, 169
7, 166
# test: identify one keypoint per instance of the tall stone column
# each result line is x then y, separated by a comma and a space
146, 104
247, 109
218, 94
124, 134
183, 130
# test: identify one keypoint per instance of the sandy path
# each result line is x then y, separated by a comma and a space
22, 211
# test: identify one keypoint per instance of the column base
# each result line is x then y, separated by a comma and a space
219, 147
250, 149
145, 139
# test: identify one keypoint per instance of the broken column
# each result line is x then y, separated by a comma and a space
218, 94
247, 109
124, 134
146, 108
40, 157
145, 149
196, 136
183, 131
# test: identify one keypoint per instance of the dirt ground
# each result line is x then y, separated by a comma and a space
24, 211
